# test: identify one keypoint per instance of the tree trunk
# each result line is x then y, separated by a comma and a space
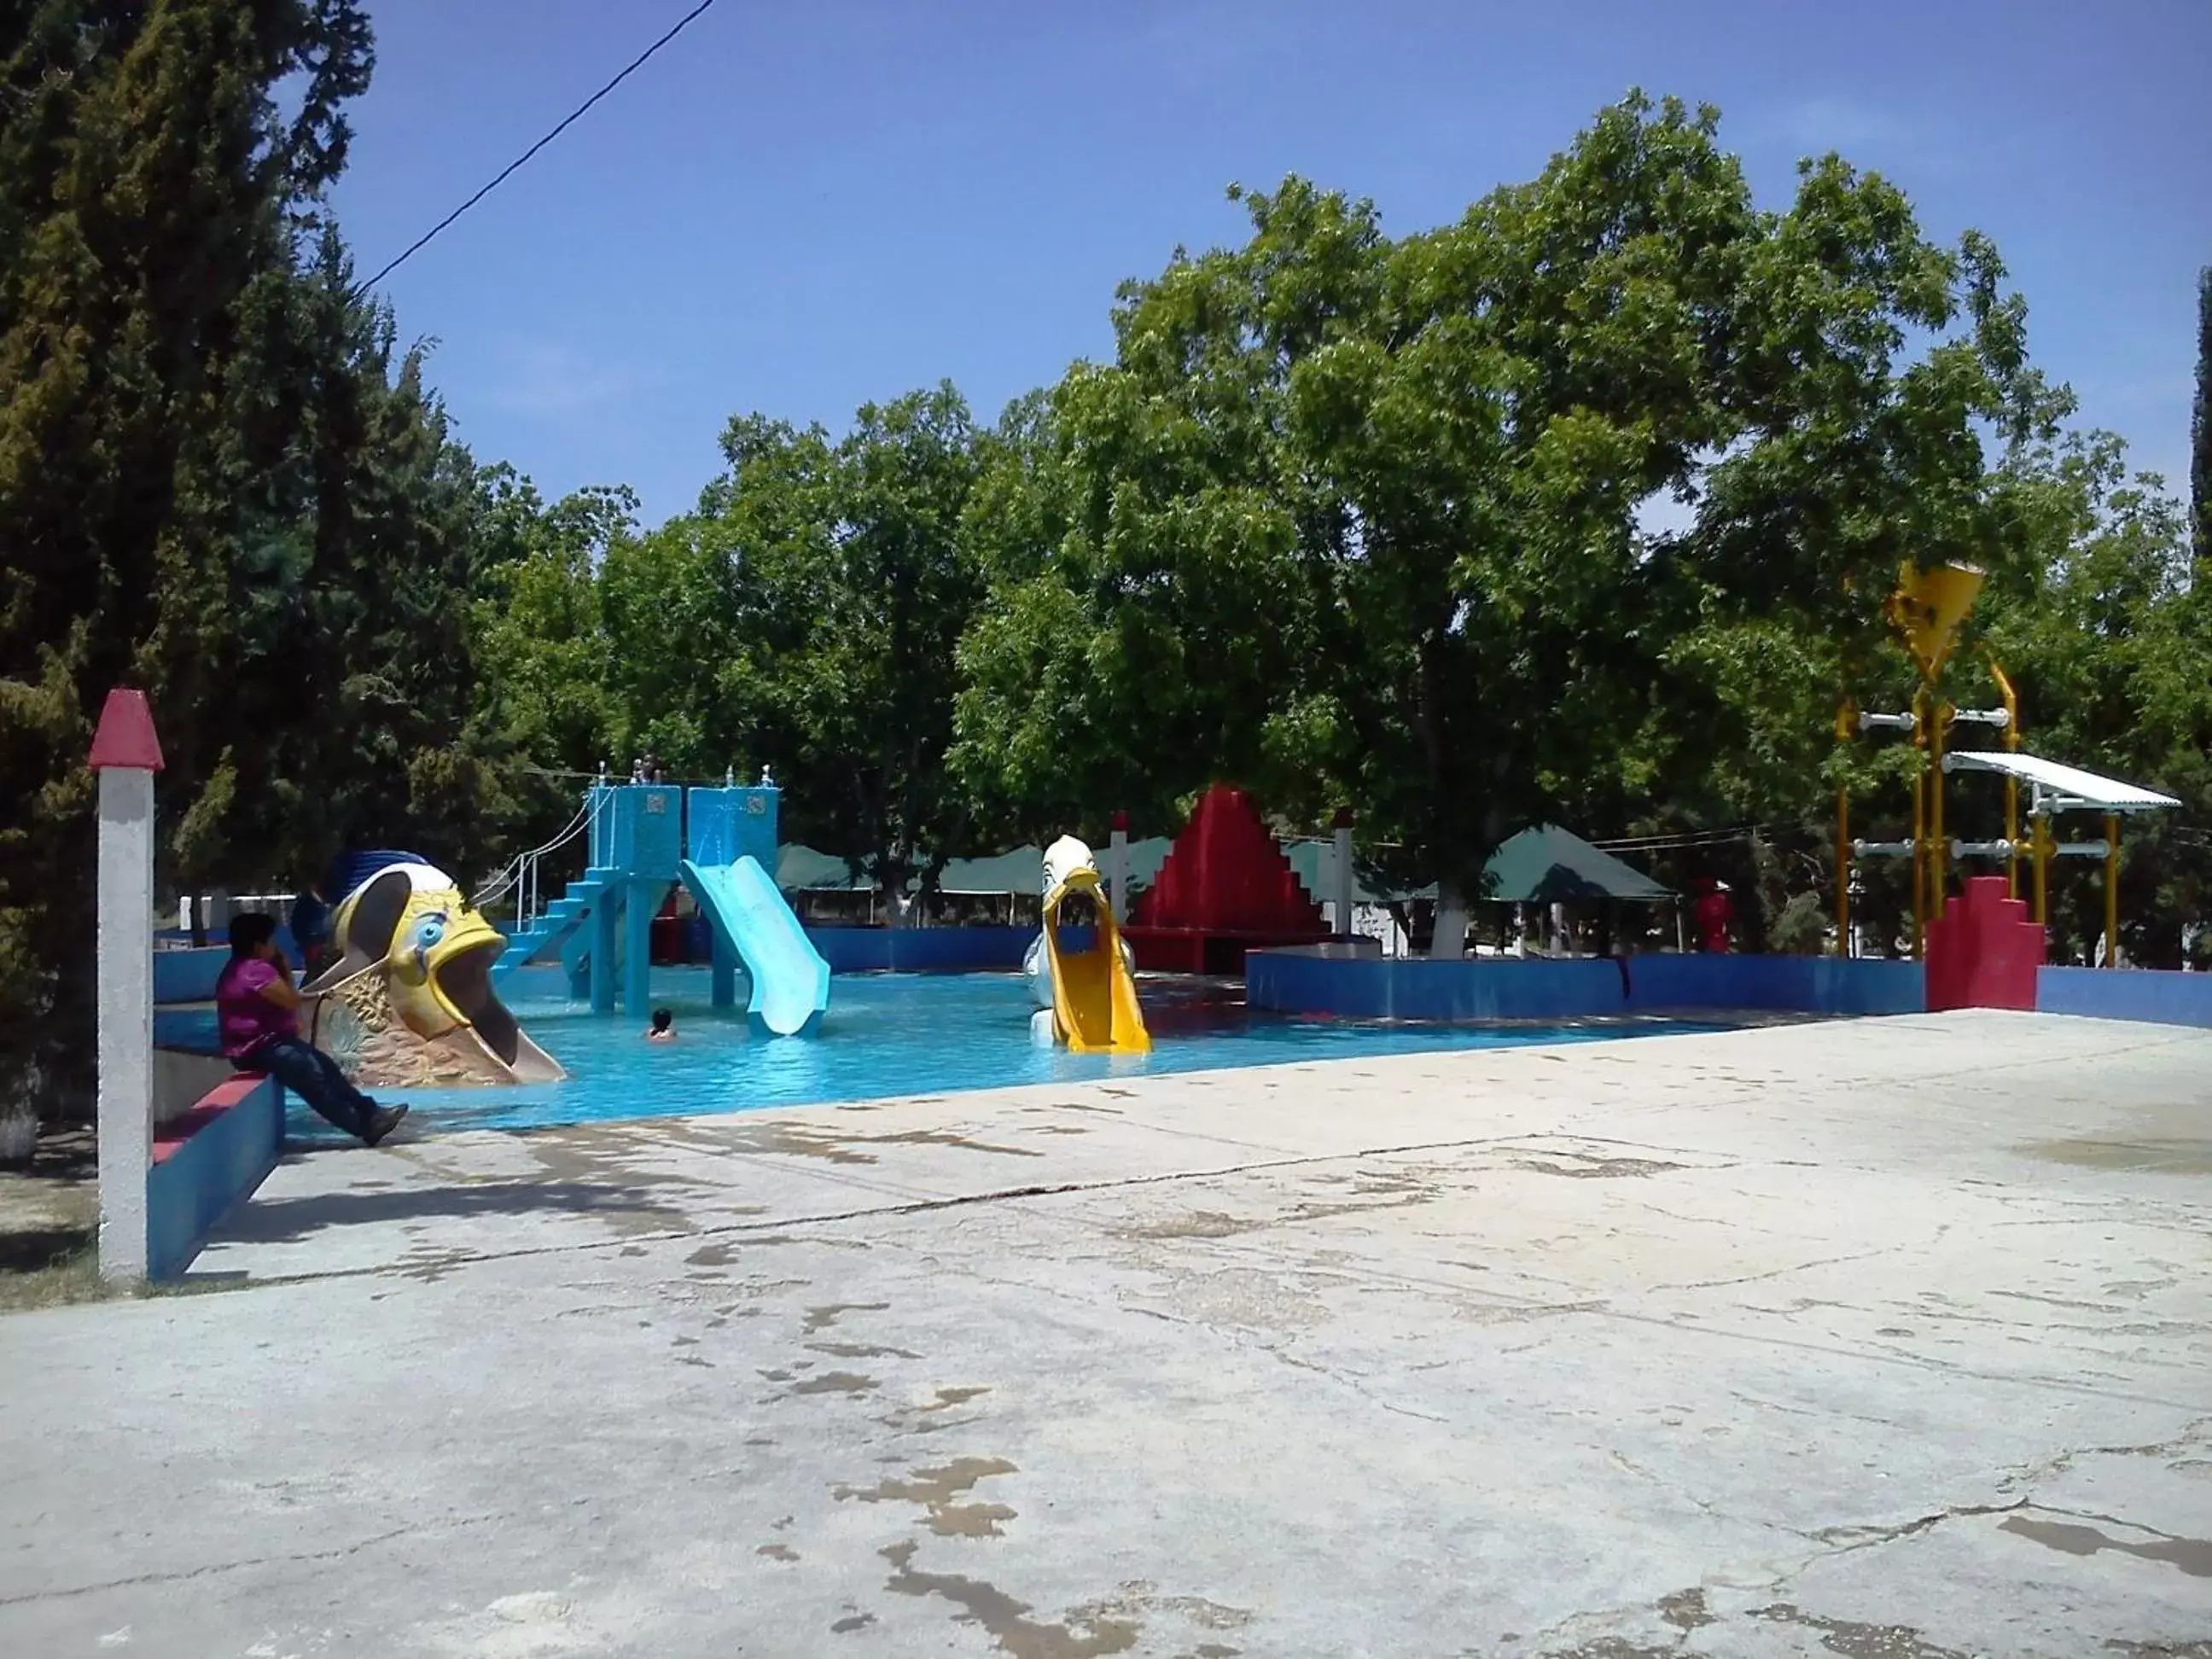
1449, 943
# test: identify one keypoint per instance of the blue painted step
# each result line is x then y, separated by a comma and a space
559, 923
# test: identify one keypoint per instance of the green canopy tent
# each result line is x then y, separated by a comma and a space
1547, 864
1314, 863
799, 866
1021, 870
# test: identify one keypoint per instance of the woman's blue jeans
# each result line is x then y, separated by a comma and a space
314, 1076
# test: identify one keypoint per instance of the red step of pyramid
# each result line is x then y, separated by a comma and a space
1225, 887
1982, 952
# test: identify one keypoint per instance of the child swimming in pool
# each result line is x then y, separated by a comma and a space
664, 1027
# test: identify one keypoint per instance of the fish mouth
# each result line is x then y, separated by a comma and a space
460, 983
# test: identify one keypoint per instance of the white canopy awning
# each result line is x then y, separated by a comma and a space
2061, 788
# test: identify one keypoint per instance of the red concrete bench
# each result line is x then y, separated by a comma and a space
170, 1138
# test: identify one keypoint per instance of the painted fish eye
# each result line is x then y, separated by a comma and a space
429, 931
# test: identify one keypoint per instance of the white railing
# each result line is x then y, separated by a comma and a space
521, 877
278, 905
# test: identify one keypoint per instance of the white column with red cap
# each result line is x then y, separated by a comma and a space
126, 754
1343, 873
1117, 866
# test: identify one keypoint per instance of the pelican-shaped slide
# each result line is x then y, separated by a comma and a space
1087, 999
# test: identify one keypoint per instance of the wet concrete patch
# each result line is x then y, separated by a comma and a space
910, 1420
719, 1255
845, 1382
1199, 1223
1581, 1166
943, 1138
2192, 1555
1215, 1223
1685, 1611
937, 1491
2152, 1156
1083, 1635
822, 1318
1112, 1625
1858, 1641
861, 1351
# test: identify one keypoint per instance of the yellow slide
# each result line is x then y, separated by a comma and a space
1094, 996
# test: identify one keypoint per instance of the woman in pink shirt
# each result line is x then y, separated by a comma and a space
256, 1012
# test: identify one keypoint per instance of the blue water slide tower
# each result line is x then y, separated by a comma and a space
637, 850
731, 870
726, 826
602, 924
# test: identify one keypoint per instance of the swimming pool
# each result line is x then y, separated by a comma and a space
899, 1034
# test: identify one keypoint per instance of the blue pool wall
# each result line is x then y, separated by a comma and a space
1415, 988
2153, 996
921, 950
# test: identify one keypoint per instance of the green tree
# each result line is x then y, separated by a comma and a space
1871, 370
2200, 427
548, 668
350, 711
152, 185
1357, 519
2107, 640
221, 480
847, 586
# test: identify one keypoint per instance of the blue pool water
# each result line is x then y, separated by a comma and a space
898, 1034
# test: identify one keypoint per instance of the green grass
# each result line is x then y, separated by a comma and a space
51, 1266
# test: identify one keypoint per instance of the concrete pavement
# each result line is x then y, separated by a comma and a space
1882, 1339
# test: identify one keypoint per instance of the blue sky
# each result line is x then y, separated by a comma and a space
800, 209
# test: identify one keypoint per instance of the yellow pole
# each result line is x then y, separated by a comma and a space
1919, 827
2040, 836
2111, 890
1939, 851
2012, 784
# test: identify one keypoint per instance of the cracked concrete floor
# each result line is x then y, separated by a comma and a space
1885, 1339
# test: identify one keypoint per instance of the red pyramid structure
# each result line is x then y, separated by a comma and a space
1982, 952
1226, 887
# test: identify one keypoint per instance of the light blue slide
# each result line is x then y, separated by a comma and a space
790, 980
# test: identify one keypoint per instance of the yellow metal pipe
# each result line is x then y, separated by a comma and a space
1939, 850
1919, 828
2111, 890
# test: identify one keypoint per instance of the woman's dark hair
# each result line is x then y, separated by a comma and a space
250, 930
662, 1019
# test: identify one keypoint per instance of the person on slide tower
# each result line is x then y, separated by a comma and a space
256, 1012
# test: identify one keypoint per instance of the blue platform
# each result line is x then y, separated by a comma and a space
643, 839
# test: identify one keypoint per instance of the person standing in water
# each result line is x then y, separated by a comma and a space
664, 1027
257, 1013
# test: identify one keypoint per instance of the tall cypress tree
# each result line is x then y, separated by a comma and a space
159, 362
2200, 427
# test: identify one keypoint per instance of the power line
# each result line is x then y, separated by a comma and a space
516, 165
